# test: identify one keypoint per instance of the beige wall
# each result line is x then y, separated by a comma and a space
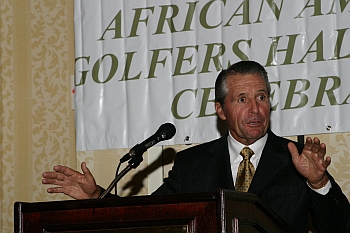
37, 122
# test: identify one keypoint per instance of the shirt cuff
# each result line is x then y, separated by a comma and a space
324, 190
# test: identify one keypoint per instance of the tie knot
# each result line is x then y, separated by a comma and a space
247, 153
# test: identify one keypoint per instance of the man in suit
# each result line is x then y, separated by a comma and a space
290, 178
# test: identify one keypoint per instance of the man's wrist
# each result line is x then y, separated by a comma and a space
319, 185
97, 193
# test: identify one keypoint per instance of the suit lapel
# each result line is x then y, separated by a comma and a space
219, 167
269, 164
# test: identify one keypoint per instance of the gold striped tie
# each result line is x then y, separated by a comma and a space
246, 171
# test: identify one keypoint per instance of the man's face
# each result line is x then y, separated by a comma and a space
246, 107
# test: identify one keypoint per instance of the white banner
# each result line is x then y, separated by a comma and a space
140, 64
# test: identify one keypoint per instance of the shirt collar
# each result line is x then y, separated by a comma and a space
235, 147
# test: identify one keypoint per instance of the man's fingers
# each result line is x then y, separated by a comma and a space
315, 147
52, 181
327, 161
64, 170
53, 176
318, 148
85, 169
46, 181
308, 144
55, 190
58, 168
293, 150
50, 177
322, 150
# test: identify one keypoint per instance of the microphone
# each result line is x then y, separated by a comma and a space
166, 131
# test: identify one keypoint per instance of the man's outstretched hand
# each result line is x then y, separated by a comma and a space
72, 183
311, 163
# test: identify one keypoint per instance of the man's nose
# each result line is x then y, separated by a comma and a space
254, 106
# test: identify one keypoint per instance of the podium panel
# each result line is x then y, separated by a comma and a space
155, 229
223, 211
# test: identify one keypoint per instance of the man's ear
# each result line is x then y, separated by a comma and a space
220, 111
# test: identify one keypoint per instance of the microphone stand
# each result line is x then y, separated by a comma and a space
134, 162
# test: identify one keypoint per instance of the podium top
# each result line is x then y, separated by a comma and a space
222, 211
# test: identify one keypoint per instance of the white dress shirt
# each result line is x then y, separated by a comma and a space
235, 147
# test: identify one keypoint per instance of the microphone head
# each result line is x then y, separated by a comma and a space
166, 131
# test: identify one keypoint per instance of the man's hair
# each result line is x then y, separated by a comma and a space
241, 68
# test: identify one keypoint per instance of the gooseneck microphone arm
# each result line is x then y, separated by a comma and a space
133, 163
165, 132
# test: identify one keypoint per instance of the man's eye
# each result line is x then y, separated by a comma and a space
241, 100
262, 97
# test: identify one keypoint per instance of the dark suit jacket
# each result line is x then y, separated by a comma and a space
206, 167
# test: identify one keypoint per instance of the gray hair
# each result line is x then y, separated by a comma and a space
243, 68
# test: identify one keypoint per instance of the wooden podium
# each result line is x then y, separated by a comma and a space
223, 211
